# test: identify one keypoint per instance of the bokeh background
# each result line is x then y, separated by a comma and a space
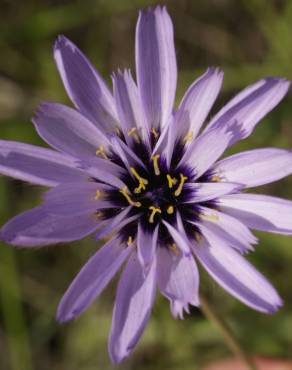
249, 40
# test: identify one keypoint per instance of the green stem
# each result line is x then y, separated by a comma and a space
10, 302
230, 340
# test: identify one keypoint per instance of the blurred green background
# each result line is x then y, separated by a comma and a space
249, 40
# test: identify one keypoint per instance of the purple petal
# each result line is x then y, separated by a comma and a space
74, 198
38, 228
255, 167
197, 102
156, 65
179, 238
134, 301
92, 279
178, 280
205, 150
146, 246
228, 228
204, 191
37, 165
247, 108
236, 275
115, 224
67, 130
84, 86
129, 106
260, 212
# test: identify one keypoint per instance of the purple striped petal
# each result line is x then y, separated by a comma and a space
247, 108
179, 238
178, 280
236, 275
67, 130
205, 150
129, 106
92, 279
260, 212
37, 165
134, 301
228, 228
156, 65
255, 167
203, 191
197, 102
146, 246
84, 86
75, 198
38, 228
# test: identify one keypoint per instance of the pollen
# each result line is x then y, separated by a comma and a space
188, 137
126, 194
171, 181
173, 248
101, 151
216, 179
134, 132
130, 241
198, 237
98, 194
153, 210
155, 133
170, 210
155, 159
179, 189
210, 217
142, 182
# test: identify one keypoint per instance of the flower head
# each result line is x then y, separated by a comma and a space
129, 166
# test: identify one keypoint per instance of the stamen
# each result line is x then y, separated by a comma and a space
170, 210
210, 217
125, 193
98, 214
171, 181
188, 137
98, 194
142, 182
100, 151
155, 164
133, 132
181, 184
173, 248
153, 210
130, 241
155, 133
216, 179
198, 237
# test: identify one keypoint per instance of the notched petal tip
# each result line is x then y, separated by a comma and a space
63, 42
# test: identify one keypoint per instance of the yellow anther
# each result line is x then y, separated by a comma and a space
142, 182
181, 184
188, 137
170, 210
98, 214
210, 217
133, 132
155, 133
173, 248
130, 241
100, 151
125, 193
198, 237
153, 210
216, 179
98, 194
171, 181
155, 164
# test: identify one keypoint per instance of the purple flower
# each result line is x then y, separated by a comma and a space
130, 166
